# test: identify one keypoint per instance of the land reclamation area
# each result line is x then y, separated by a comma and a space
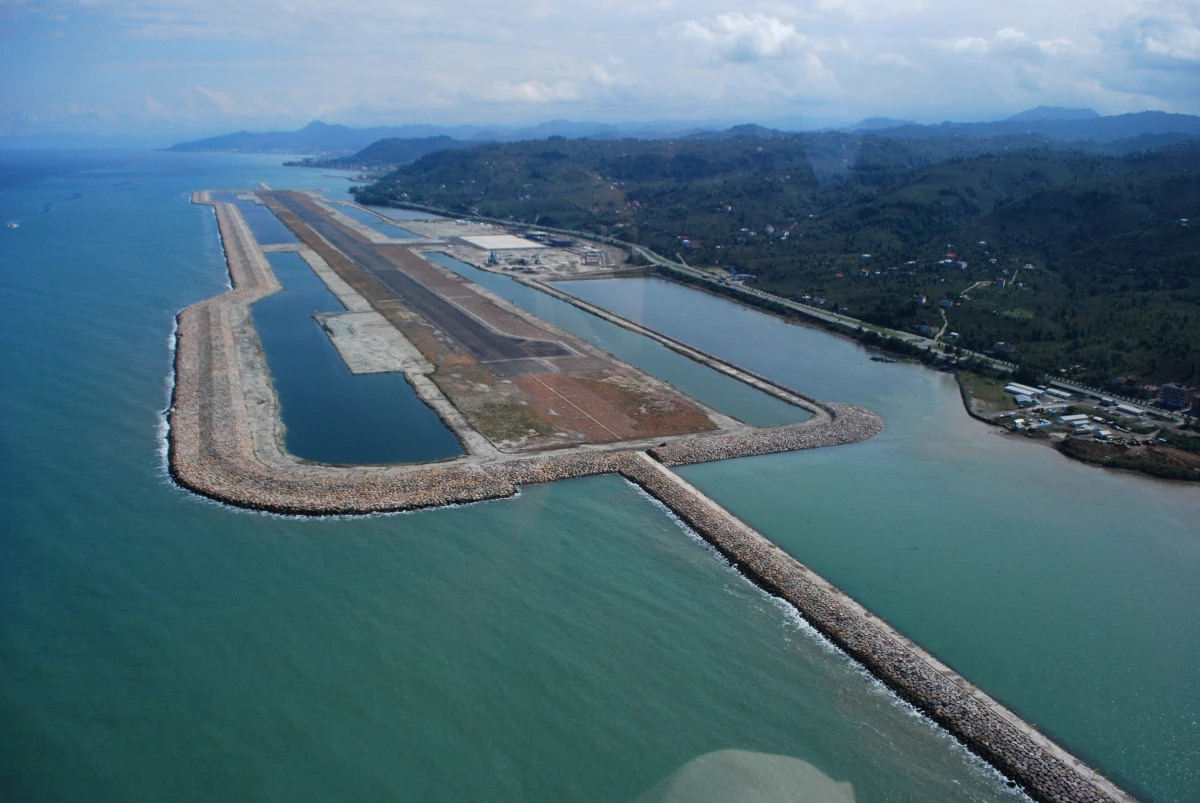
296, 656
522, 384
225, 442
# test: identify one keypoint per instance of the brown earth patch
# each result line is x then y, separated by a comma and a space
1165, 462
583, 398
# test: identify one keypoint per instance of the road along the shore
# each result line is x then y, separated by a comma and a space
225, 442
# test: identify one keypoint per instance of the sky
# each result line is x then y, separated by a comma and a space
197, 67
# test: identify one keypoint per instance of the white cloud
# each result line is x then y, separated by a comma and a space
222, 101
892, 60
1010, 42
532, 92
740, 38
275, 63
1167, 30
969, 44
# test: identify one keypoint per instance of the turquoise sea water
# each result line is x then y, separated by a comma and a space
1070, 593
570, 644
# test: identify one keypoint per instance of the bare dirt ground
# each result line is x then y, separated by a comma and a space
520, 402
1165, 462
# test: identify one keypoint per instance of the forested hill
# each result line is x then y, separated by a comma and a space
1057, 127
389, 152
316, 137
1115, 284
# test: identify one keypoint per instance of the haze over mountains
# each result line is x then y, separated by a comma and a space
349, 146
887, 228
323, 138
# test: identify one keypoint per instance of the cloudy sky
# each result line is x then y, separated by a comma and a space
205, 66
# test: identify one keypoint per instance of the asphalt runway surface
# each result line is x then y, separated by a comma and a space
504, 354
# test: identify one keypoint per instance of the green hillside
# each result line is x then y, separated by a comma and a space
1115, 284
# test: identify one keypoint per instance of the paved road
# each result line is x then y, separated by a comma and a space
504, 354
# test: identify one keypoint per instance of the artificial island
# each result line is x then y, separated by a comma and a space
529, 402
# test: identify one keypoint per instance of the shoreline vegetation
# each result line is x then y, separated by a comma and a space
972, 371
1064, 259
981, 385
224, 442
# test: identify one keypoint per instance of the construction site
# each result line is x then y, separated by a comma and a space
530, 403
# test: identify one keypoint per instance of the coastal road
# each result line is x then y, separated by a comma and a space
505, 355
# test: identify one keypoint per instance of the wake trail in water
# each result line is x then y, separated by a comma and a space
47, 208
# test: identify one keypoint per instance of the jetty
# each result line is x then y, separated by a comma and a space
226, 442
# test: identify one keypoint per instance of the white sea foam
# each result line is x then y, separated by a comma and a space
795, 620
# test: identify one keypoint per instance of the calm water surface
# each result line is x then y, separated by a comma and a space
332, 415
715, 389
570, 644
1070, 593
391, 230
266, 228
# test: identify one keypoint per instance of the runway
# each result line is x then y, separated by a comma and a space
504, 354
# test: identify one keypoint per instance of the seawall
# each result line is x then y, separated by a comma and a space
225, 442
1044, 769
226, 437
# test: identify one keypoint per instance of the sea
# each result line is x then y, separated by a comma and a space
573, 643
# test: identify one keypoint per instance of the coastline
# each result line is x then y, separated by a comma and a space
225, 442
226, 436
1150, 468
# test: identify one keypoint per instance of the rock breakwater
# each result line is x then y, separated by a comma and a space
1045, 770
841, 424
225, 442
226, 438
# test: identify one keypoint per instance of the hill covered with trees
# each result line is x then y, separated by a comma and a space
1081, 255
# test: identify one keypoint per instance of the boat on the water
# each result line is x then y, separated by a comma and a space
12, 224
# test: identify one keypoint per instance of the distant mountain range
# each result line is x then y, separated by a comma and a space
1065, 125
408, 142
1055, 113
320, 138
386, 152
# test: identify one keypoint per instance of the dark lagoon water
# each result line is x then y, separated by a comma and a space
332, 415
389, 229
404, 214
266, 228
569, 644
715, 389
1070, 593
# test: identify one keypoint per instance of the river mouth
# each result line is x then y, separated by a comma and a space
331, 415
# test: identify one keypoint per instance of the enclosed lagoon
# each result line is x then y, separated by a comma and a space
366, 218
332, 415
1067, 592
267, 229
569, 644
715, 389
404, 214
